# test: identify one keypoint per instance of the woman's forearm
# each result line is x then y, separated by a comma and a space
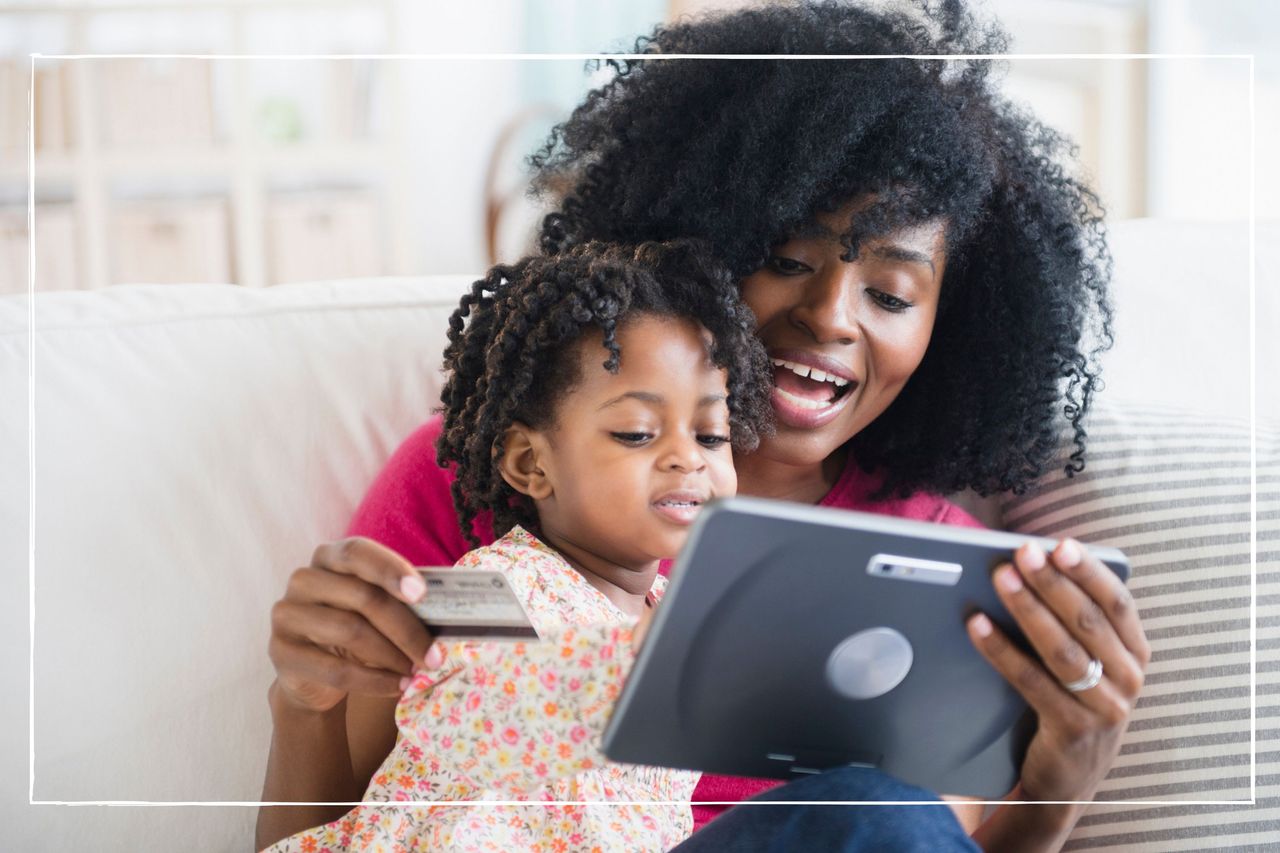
310, 761
1031, 827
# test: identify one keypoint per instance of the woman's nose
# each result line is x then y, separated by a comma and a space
828, 305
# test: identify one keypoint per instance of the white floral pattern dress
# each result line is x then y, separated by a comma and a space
518, 721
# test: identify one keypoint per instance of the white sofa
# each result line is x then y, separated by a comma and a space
192, 444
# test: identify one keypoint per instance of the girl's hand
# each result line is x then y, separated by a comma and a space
1073, 610
343, 626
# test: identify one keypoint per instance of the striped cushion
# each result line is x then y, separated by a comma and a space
1172, 490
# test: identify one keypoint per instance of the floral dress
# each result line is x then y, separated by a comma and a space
518, 722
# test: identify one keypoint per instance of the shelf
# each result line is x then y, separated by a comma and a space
212, 162
207, 146
49, 167
333, 158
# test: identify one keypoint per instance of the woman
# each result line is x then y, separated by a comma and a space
897, 227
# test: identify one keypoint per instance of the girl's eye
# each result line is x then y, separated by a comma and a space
713, 441
635, 439
786, 266
889, 302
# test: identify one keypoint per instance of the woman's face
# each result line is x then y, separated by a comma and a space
844, 337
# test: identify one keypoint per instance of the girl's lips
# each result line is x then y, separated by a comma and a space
679, 507
799, 413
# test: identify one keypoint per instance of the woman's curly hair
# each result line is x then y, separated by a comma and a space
740, 153
511, 354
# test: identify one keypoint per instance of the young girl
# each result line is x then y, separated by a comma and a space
592, 403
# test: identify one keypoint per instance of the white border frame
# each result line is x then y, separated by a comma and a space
1253, 419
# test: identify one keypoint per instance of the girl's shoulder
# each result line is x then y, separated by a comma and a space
855, 489
552, 591
516, 552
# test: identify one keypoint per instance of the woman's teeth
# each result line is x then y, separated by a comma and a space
807, 372
803, 402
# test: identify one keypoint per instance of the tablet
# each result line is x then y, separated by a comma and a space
794, 638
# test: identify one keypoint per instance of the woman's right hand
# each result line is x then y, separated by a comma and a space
343, 626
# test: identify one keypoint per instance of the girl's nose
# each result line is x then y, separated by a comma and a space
683, 454
827, 306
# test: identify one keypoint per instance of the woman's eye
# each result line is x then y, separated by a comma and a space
786, 266
713, 441
632, 438
889, 302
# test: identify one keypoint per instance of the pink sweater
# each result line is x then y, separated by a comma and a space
410, 510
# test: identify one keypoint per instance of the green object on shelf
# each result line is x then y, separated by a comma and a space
280, 120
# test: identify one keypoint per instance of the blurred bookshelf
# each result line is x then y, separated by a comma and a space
225, 167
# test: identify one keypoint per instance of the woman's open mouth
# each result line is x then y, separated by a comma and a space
806, 397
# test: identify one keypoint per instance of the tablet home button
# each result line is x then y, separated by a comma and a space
870, 663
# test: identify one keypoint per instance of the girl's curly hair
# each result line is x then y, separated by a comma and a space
511, 354
740, 153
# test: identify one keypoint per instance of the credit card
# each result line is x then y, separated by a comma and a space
470, 603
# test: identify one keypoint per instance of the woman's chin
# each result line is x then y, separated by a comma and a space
800, 448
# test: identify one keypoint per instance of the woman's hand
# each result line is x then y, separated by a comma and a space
1073, 610
343, 626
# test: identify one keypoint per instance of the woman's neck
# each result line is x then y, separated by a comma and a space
762, 477
626, 587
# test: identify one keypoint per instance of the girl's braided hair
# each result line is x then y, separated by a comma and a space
511, 352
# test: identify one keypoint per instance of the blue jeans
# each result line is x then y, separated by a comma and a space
782, 829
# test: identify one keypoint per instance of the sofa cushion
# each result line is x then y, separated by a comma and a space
1172, 489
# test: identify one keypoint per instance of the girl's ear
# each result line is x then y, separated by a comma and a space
524, 450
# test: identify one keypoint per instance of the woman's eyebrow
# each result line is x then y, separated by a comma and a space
902, 253
887, 251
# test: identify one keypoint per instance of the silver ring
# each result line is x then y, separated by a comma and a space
1092, 675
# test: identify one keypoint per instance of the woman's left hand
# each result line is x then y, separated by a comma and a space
1073, 611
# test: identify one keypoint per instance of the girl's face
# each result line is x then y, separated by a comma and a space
634, 456
844, 337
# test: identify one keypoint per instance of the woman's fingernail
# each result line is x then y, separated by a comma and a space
1069, 553
412, 587
404, 682
435, 657
1008, 579
981, 625
1033, 558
